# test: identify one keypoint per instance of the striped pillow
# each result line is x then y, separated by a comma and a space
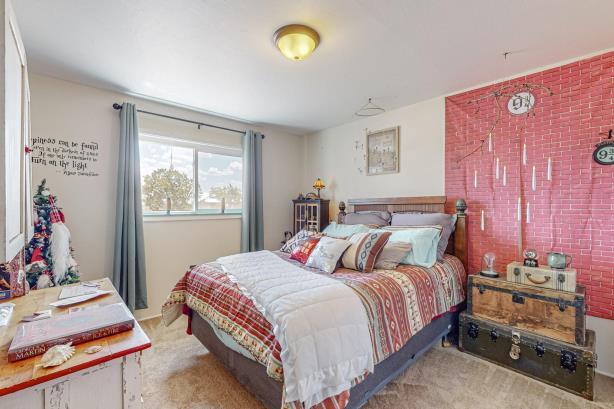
364, 250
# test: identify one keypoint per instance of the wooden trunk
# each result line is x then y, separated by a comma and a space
565, 366
556, 314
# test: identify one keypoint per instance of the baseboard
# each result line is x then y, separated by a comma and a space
609, 375
151, 317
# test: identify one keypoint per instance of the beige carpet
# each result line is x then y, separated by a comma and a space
179, 373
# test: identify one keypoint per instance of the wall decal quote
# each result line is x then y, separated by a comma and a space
71, 158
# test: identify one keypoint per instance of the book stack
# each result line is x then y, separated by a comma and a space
34, 338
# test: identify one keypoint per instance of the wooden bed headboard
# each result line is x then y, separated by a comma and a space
431, 204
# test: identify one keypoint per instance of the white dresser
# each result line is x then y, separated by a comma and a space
108, 379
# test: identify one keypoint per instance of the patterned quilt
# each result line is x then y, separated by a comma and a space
399, 303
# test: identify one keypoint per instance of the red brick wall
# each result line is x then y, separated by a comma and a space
572, 213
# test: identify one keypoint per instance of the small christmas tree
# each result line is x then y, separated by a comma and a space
49, 260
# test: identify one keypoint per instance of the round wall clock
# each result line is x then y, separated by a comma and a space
521, 103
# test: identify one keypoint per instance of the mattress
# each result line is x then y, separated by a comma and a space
399, 303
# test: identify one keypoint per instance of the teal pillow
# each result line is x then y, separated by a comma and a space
342, 231
423, 240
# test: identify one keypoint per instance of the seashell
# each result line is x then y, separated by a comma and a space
57, 355
93, 349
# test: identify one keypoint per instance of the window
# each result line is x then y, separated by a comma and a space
183, 177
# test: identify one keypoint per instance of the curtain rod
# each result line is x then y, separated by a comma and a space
119, 107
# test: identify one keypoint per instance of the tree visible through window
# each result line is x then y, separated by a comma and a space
164, 185
181, 177
219, 178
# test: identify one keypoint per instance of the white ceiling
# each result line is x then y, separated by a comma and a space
218, 55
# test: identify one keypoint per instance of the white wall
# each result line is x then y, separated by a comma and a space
331, 154
604, 331
75, 112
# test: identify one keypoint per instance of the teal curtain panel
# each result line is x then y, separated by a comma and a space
252, 226
129, 261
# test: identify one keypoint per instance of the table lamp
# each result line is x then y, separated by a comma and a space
319, 185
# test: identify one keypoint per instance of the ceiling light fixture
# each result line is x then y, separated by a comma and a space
369, 109
296, 41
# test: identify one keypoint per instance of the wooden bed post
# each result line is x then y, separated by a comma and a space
460, 234
341, 215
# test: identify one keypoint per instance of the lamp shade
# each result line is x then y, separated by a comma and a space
319, 184
296, 41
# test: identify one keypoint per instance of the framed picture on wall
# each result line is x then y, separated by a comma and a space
383, 151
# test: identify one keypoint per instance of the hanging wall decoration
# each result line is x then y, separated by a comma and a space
383, 151
543, 184
604, 151
521, 101
360, 157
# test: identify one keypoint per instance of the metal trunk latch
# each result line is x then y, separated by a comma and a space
515, 349
494, 335
540, 349
568, 360
562, 306
473, 330
517, 298
481, 288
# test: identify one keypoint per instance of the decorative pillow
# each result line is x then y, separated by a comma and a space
327, 253
423, 240
298, 239
302, 252
392, 254
447, 221
342, 231
364, 249
368, 217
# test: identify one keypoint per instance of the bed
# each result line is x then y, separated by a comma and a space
410, 309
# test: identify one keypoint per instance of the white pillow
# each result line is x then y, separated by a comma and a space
327, 253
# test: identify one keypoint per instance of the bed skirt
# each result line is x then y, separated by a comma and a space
252, 375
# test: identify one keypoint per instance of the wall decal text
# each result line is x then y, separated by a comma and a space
71, 158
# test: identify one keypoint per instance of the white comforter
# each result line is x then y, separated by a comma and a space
320, 323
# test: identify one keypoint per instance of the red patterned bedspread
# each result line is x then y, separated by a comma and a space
398, 302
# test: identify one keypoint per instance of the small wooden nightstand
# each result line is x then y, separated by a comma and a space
310, 214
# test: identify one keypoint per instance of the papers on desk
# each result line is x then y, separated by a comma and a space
76, 291
81, 298
37, 316
6, 310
